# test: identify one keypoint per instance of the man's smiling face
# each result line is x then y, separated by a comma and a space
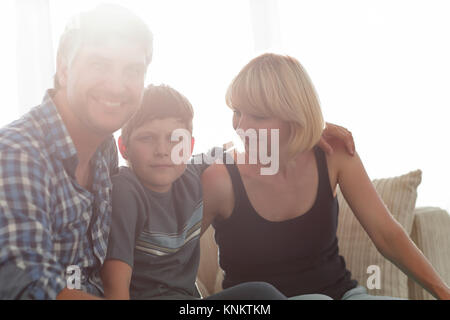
105, 83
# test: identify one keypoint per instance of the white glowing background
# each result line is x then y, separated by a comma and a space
381, 68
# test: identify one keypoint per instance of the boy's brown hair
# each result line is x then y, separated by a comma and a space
159, 102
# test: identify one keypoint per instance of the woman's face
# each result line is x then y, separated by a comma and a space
245, 123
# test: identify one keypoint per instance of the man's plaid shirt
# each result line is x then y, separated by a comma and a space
47, 220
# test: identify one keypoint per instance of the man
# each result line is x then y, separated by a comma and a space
56, 161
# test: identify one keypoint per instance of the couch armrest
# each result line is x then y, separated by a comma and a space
431, 233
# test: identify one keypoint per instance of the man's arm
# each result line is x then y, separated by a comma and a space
72, 294
29, 267
200, 162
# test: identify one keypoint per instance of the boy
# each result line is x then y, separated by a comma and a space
154, 247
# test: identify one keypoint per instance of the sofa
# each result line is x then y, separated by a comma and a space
428, 227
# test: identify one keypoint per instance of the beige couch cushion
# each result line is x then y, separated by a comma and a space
431, 233
399, 194
209, 276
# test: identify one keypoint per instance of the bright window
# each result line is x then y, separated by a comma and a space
381, 69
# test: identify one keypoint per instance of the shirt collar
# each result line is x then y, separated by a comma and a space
57, 137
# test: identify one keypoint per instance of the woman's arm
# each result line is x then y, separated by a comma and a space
116, 277
386, 233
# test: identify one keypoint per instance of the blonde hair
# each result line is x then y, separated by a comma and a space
273, 85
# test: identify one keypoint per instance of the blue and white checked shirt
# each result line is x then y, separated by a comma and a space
47, 220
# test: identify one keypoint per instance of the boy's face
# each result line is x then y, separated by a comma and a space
149, 153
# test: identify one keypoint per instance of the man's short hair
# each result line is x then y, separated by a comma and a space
159, 102
104, 22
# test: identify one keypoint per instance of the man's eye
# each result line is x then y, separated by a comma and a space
135, 72
237, 113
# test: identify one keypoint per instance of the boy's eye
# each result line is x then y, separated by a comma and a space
237, 113
145, 138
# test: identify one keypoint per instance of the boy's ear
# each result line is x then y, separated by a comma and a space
122, 148
192, 144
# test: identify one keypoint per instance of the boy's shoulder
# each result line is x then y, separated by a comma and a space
202, 161
125, 180
190, 179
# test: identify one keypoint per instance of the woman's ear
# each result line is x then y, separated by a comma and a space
122, 148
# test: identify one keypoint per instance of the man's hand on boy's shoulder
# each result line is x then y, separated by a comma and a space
335, 134
202, 161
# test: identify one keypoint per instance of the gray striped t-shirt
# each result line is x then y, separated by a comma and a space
157, 234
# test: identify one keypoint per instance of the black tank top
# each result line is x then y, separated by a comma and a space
297, 256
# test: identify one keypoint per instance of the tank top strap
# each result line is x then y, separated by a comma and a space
322, 167
238, 185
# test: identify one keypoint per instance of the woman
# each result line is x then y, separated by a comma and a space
281, 228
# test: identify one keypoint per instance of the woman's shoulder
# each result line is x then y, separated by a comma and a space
340, 155
216, 180
335, 162
216, 177
340, 160
218, 194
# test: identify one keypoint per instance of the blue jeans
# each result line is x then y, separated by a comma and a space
358, 293
244, 291
249, 291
